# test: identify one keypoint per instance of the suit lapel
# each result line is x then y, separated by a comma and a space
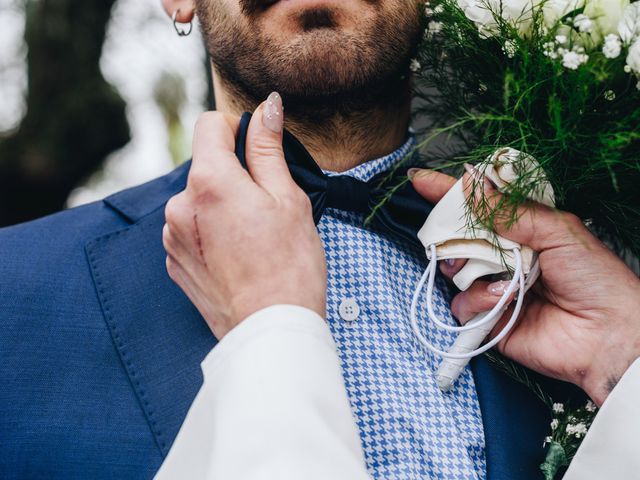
515, 424
160, 337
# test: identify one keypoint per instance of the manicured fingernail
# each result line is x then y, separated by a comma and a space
498, 288
471, 170
412, 172
272, 113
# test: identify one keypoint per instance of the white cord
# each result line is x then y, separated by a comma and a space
492, 316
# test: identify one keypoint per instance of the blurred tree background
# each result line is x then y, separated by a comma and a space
74, 119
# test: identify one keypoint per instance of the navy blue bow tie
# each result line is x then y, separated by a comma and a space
401, 216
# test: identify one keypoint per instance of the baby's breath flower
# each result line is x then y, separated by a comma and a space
509, 48
579, 430
573, 59
415, 66
546, 441
561, 39
590, 406
610, 95
612, 46
434, 27
554, 423
558, 408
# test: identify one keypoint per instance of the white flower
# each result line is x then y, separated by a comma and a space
510, 48
583, 23
558, 408
415, 66
612, 46
590, 406
629, 25
554, 10
573, 59
554, 423
610, 95
546, 440
578, 430
434, 27
561, 39
482, 12
606, 14
633, 57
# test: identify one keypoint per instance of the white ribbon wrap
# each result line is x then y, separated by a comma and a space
446, 234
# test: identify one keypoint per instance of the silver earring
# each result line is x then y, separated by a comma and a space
181, 31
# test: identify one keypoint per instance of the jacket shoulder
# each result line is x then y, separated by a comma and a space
76, 226
52, 249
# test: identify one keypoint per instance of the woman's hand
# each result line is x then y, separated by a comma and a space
581, 321
241, 241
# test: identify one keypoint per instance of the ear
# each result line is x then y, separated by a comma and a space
185, 8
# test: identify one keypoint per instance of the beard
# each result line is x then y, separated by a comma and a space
324, 69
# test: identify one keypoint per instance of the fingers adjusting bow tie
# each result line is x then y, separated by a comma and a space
401, 215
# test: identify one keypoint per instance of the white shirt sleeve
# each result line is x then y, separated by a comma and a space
273, 405
611, 446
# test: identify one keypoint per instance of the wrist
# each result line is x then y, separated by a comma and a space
608, 367
243, 306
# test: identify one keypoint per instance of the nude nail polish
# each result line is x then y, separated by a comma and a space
272, 113
471, 170
498, 288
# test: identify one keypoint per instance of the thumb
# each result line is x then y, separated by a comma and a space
265, 157
430, 184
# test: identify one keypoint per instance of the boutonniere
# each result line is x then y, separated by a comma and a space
568, 426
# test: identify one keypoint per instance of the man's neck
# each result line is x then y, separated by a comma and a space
342, 141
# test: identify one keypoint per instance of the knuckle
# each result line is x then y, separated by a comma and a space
207, 119
171, 267
167, 241
171, 212
572, 220
198, 180
200, 184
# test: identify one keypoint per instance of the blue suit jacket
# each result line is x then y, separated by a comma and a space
100, 351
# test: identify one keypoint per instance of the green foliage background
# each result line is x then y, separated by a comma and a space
587, 143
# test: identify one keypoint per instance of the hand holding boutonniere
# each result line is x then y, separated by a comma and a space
579, 322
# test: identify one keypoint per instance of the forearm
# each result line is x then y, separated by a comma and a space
273, 405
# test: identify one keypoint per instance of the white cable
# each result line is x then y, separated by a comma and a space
492, 316
497, 310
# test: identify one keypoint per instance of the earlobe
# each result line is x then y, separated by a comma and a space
183, 9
